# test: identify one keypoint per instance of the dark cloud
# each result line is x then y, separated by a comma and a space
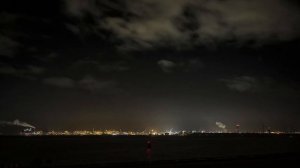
79, 8
87, 83
8, 46
47, 57
166, 65
92, 84
180, 23
9, 70
98, 66
29, 72
73, 28
241, 84
189, 65
192, 65
35, 69
63, 82
9, 43
113, 68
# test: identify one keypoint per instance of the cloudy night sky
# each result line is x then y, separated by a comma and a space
140, 64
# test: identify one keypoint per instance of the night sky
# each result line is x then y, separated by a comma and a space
162, 64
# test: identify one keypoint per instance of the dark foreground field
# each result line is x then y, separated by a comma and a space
214, 150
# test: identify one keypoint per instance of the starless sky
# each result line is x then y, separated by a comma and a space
126, 64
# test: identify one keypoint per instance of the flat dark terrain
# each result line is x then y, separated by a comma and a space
205, 150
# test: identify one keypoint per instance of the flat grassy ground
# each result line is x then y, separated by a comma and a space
130, 151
